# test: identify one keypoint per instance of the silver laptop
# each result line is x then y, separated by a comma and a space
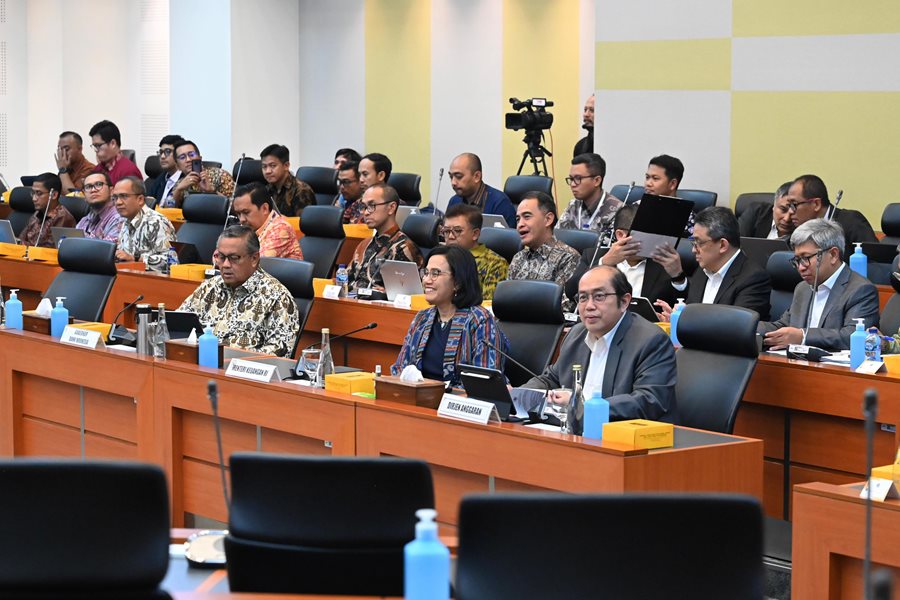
7, 235
493, 221
61, 233
405, 211
400, 277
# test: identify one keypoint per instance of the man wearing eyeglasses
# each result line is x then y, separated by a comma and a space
830, 297
45, 196
290, 194
106, 140
146, 235
769, 221
246, 307
591, 207
72, 166
628, 359
350, 189
162, 187
198, 179
102, 221
462, 227
379, 208
466, 180
809, 200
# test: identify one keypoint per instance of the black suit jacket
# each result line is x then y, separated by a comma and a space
745, 284
657, 283
856, 228
756, 220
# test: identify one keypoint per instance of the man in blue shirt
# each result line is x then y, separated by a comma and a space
465, 177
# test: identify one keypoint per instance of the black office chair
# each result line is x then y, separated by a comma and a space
323, 181
784, 279
502, 240
22, 208
152, 168
422, 229
701, 198
129, 154
76, 529
688, 260
717, 357
87, 277
322, 525
76, 205
615, 546
323, 236
529, 313
890, 224
204, 216
251, 171
746, 199
407, 186
211, 164
297, 277
621, 192
580, 239
517, 185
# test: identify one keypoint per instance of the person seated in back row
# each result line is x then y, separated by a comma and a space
462, 227
146, 235
769, 221
45, 197
466, 179
253, 207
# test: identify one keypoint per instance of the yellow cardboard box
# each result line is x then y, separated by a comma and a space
351, 383
194, 272
418, 302
103, 328
887, 472
319, 284
640, 433
13, 250
358, 230
50, 255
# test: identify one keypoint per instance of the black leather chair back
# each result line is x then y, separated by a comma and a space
502, 240
723, 532
890, 316
22, 208
211, 164
890, 224
251, 170
580, 239
322, 525
129, 154
204, 216
517, 185
688, 260
784, 279
407, 186
701, 198
152, 168
322, 180
422, 229
323, 236
717, 357
530, 315
76, 205
297, 277
621, 192
87, 278
746, 199
82, 529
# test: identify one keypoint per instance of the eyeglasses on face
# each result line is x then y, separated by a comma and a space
123, 196
454, 232
186, 155
346, 182
369, 207
94, 187
234, 259
97, 147
164, 152
792, 206
597, 297
697, 243
804, 261
577, 179
433, 273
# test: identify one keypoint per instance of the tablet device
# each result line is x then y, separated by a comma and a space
401, 277
642, 306
181, 324
28, 180
7, 235
61, 233
405, 211
660, 220
492, 221
488, 385
187, 253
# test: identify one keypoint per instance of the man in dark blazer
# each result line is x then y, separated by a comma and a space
725, 274
630, 360
842, 295
769, 221
647, 278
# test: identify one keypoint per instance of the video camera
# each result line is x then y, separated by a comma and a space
533, 115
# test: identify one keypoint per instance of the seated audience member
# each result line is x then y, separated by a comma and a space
543, 256
350, 193
72, 166
290, 194
841, 295
586, 144
344, 156
253, 206
146, 235
647, 278
809, 200
770, 221
725, 274
162, 187
107, 144
891, 345
379, 208
630, 360
247, 307
103, 221
209, 180
45, 196
462, 227
466, 180
374, 168
663, 176
591, 207
456, 329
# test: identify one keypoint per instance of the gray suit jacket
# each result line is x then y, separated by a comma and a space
639, 381
852, 297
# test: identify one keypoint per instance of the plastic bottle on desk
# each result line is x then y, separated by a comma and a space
873, 345
208, 351
426, 562
342, 279
59, 317
859, 262
596, 413
673, 322
14, 311
858, 344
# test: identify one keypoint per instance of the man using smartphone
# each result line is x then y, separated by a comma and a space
197, 179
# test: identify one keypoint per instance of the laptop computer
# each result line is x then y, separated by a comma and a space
7, 235
405, 211
879, 253
61, 233
489, 220
187, 253
759, 249
401, 277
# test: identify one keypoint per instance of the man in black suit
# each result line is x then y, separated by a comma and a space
725, 276
647, 278
769, 221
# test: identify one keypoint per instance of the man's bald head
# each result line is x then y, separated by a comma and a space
465, 174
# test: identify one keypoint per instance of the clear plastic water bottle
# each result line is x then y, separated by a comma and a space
596, 414
342, 279
858, 344
171, 259
426, 562
575, 417
673, 322
873, 345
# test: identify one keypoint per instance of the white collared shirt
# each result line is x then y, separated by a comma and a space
593, 378
171, 181
773, 233
821, 298
715, 280
634, 275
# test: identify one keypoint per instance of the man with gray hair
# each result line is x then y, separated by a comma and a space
246, 307
146, 235
770, 221
830, 297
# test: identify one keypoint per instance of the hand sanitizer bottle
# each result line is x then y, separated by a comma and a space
858, 344
426, 562
59, 318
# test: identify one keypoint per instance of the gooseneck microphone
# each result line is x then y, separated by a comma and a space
628, 193
237, 178
833, 208
43, 221
112, 330
437, 192
212, 391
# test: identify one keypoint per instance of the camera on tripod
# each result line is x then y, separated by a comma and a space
533, 115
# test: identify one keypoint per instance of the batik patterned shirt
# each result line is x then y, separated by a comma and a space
552, 261
577, 216
291, 198
103, 225
219, 179
492, 269
258, 315
148, 237
58, 217
370, 254
352, 210
277, 238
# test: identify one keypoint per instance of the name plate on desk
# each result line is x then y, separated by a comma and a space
468, 409
402, 301
84, 338
254, 371
332, 292
870, 366
882, 489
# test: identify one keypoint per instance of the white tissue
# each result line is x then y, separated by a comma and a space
192, 338
411, 374
44, 308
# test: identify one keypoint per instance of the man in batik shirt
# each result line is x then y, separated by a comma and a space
45, 196
146, 235
351, 192
253, 207
210, 180
290, 194
591, 207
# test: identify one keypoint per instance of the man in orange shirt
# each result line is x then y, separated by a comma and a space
253, 207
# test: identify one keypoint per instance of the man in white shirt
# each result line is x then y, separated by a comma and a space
770, 221
827, 318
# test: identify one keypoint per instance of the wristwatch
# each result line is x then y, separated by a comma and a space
63, 171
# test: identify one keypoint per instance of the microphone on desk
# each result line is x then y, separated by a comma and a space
231, 200
870, 411
834, 205
628, 193
533, 416
811, 353
298, 367
124, 332
43, 221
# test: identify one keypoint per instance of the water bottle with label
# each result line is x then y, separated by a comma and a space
171, 259
326, 362
575, 418
873, 345
162, 333
342, 279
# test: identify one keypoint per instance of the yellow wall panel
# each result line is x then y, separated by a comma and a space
814, 17
664, 65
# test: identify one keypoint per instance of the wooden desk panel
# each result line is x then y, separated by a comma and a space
155, 287
31, 277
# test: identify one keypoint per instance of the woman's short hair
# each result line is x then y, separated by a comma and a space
465, 275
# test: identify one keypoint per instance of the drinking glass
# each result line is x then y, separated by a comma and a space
310, 359
558, 403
